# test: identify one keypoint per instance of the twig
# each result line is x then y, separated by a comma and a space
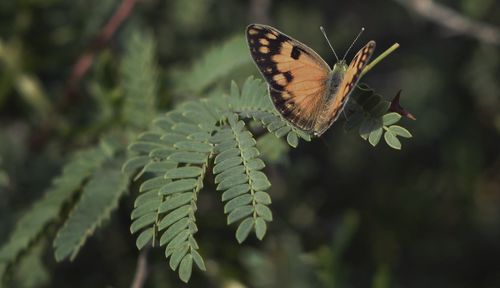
379, 58
141, 270
453, 21
85, 61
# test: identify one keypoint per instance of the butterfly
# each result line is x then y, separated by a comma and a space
303, 88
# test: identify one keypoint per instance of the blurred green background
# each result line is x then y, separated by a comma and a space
346, 214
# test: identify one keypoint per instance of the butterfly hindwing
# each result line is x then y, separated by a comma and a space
296, 75
347, 85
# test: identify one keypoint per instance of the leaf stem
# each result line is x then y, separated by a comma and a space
379, 58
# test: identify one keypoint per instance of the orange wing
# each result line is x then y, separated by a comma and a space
297, 76
349, 81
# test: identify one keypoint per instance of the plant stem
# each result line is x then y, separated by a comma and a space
379, 58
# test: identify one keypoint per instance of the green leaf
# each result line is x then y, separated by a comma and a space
199, 136
259, 180
188, 157
244, 229
142, 222
184, 172
375, 136
235, 191
255, 164
227, 164
232, 181
144, 209
194, 146
225, 145
178, 254
229, 173
237, 202
392, 140
186, 128
134, 163
144, 147
249, 153
146, 197
144, 238
186, 268
390, 118
153, 183
398, 130
159, 167
174, 216
262, 197
174, 230
178, 186
227, 154
175, 202
176, 242
264, 212
282, 131
292, 139
260, 228
239, 213
198, 260
369, 124
380, 108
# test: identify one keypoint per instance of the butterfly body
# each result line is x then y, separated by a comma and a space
302, 87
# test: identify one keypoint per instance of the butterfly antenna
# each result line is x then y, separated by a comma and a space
359, 34
329, 44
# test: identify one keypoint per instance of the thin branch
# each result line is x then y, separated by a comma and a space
379, 58
141, 269
453, 21
84, 62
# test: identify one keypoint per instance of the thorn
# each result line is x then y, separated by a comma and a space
396, 107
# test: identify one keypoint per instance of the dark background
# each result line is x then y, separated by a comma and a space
346, 214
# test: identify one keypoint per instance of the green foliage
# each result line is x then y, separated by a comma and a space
216, 63
31, 271
237, 173
369, 112
99, 198
227, 136
93, 174
47, 210
139, 79
172, 158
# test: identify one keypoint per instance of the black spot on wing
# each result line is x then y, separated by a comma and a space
296, 51
288, 76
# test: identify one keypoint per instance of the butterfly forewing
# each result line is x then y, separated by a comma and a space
347, 85
297, 76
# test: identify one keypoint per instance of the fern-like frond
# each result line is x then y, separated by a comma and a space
139, 79
99, 198
253, 102
237, 169
218, 62
31, 271
32, 224
174, 158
